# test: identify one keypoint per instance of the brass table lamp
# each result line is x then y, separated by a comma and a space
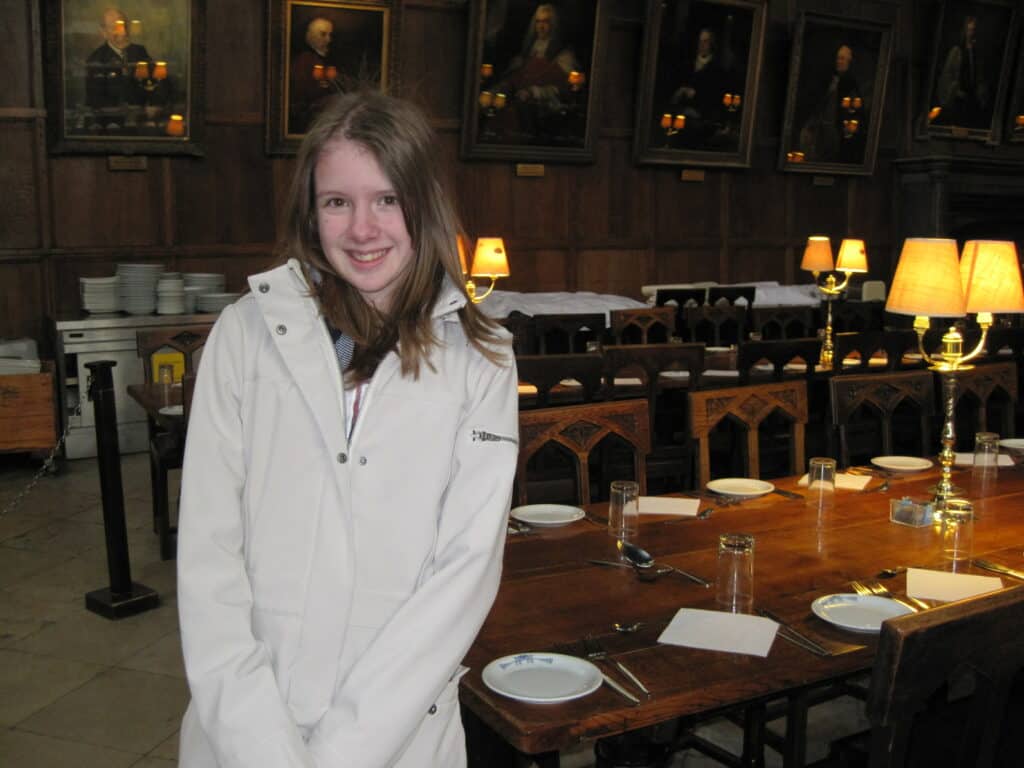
930, 282
817, 258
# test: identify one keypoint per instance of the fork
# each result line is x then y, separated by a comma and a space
596, 652
880, 590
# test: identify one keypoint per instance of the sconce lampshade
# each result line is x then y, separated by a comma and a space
990, 276
927, 280
817, 255
462, 242
490, 259
852, 256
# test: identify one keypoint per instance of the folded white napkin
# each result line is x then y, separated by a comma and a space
846, 481
668, 505
967, 460
720, 631
943, 585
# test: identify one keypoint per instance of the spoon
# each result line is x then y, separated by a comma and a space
641, 559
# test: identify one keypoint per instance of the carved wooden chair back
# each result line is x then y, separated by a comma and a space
649, 361
715, 325
749, 406
186, 339
882, 393
547, 372
647, 325
568, 333
854, 316
947, 685
524, 332
580, 429
783, 322
731, 293
992, 387
854, 351
800, 355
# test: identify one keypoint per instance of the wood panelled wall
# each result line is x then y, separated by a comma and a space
611, 226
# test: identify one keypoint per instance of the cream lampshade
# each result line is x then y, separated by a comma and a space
817, 255
990, 277
927, 281
852, 256
462, 242
490, 259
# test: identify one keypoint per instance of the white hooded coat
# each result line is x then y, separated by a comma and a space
329, 588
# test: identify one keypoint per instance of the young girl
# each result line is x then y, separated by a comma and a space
348, 472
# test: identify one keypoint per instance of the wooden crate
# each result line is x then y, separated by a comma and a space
28, 414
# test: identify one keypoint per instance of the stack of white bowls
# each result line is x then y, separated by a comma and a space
215, 302
210, 282
137, 287
99, 294
170, 294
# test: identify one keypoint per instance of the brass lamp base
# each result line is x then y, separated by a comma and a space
950, 360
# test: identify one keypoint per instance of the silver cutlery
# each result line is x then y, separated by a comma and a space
596, 652
879, 590
787, 494
642, 559
795, 636
619, 689
1005, 570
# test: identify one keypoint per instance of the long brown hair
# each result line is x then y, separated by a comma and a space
399, 137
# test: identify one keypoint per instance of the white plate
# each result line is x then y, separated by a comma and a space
740, 486
547, 514
1013, 444
860, 613
173, 410
542, 677
901, 463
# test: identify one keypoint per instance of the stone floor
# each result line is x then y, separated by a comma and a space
78, 690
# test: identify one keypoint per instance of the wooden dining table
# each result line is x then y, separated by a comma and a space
551, 598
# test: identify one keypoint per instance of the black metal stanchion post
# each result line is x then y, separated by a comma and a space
123, 597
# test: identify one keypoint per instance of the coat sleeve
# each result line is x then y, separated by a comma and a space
379, 705
240, 707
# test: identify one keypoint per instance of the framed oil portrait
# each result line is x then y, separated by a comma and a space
318, 49
699, 81
1015, 113
532, 75
971, 65
124, 78
836, 95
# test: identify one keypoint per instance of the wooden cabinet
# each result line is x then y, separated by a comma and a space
28, 414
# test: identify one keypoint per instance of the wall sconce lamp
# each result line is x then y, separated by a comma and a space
490, 260
931, 282
853, 259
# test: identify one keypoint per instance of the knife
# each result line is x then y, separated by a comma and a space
788, 494
616, 687
794, 636
997, 568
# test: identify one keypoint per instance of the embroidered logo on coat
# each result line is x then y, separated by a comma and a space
482, 436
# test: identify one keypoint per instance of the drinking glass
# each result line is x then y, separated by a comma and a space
734, 585
624, 510
821, 483
957, 530
986, 462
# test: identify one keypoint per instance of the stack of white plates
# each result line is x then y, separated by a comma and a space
99, 294
170, 295
208, 281
137, 287
215, 302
